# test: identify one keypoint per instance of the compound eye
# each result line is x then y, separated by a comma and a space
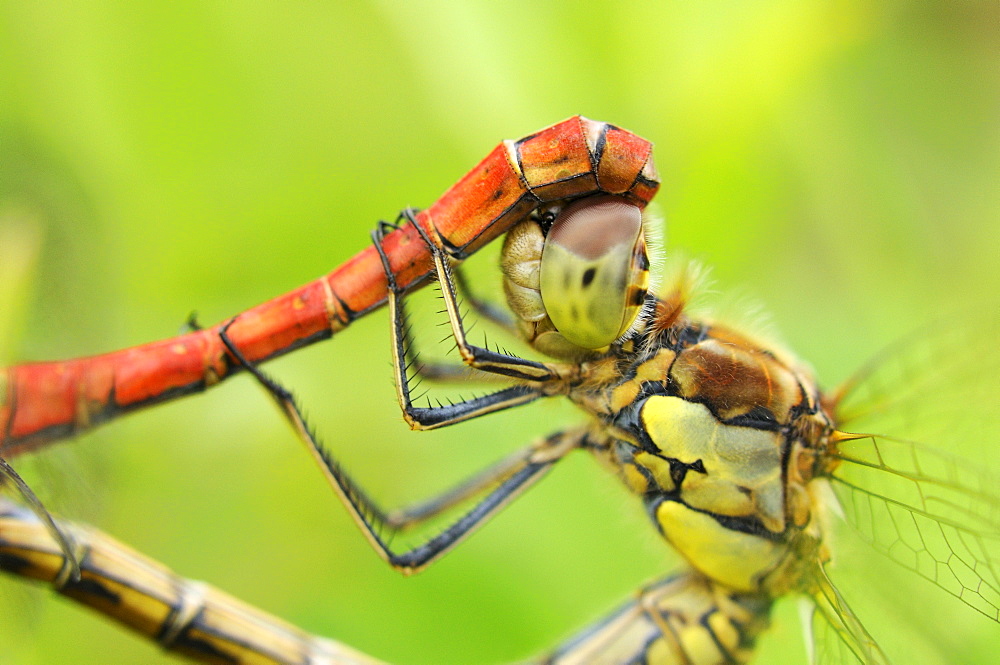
595, 272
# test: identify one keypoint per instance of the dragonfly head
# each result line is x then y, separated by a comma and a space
577, 276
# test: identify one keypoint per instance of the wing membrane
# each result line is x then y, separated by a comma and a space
934, 510
940, 385
852, 639
932, 513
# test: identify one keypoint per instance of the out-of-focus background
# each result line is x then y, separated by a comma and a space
838, 163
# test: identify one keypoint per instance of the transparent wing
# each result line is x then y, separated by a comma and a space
838, 635
940, 385
933, 508
931, 512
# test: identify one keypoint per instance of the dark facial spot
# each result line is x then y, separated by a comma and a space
588, 276
594, 311
574, 313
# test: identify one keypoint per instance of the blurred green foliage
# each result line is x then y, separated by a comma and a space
837, 161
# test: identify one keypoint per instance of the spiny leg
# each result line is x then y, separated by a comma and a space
511, 477
443, 372
496, 314
478, 357
445, 414
452, 372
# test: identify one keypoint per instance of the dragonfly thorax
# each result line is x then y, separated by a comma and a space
719, 437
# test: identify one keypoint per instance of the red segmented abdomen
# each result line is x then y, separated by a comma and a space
41, 402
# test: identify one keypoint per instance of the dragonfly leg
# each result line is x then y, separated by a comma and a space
478, 357
431, 417
496, 314
462, 373
413, 515
451, 371
192, 324
509, 479
445, 372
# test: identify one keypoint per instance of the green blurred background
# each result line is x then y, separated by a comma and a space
838, 162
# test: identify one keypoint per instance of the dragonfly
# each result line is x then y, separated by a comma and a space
738, 458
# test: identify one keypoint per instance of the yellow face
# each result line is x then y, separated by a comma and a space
594, 271
579, 285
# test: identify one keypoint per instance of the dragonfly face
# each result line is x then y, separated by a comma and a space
709, 418
594, 272
577, 277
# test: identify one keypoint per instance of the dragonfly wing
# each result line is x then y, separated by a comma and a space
929, 511
939, 385
934, 510
838, 635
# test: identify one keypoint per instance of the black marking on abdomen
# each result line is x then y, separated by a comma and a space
93, 589
205, 648
13, 563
